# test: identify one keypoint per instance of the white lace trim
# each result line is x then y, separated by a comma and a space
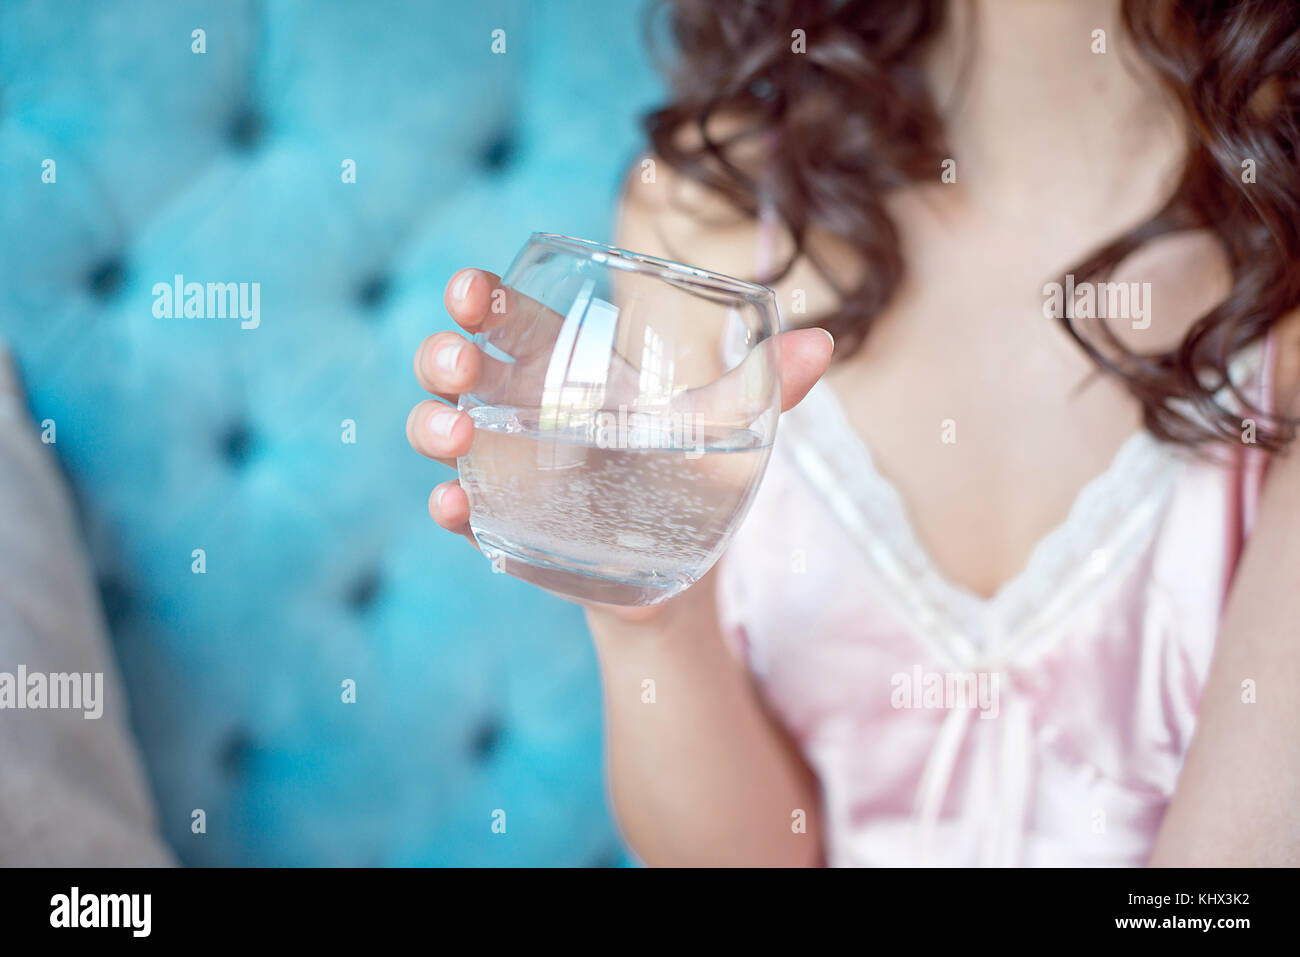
1110, 518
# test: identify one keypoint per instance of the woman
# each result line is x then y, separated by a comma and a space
1055, 509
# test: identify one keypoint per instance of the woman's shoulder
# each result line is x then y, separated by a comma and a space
665, 212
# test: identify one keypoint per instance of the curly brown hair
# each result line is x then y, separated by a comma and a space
853, 118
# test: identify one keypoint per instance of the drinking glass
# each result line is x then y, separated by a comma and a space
624, 418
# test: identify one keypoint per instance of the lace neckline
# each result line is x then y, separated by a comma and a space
1110, 517
1107, 515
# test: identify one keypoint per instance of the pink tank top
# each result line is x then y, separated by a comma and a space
1045, 726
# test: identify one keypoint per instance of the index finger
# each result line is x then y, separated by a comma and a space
468, 297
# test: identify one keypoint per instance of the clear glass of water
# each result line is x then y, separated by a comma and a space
623, 420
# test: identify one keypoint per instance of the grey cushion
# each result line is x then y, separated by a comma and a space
72, 791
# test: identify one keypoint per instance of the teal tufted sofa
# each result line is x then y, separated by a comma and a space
279, 451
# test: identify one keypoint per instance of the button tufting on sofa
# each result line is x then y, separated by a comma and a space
116, 599
237, 444
498, 151
485, 739
361, 594
105, 279
373, 292
236, 753
347, 161
610, 857
247, 130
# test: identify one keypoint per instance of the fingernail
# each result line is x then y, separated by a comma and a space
828, 336
447, 358
460, 288
439, 492
442, 424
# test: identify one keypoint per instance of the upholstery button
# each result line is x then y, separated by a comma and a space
373, 292
246, 130
497, 152
116, 599
236, 753
105, 280
237, 444
610, 857
364, 590
485, 739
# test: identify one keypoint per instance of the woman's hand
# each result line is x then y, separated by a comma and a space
705, 777
447, 364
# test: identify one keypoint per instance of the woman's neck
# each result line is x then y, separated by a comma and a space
1036, 119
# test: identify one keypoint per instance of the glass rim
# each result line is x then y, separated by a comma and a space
630, 261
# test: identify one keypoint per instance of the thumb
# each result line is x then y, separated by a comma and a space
805, 356
744, 392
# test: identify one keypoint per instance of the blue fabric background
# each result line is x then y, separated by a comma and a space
474, 692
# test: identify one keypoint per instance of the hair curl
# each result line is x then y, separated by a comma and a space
853, 118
